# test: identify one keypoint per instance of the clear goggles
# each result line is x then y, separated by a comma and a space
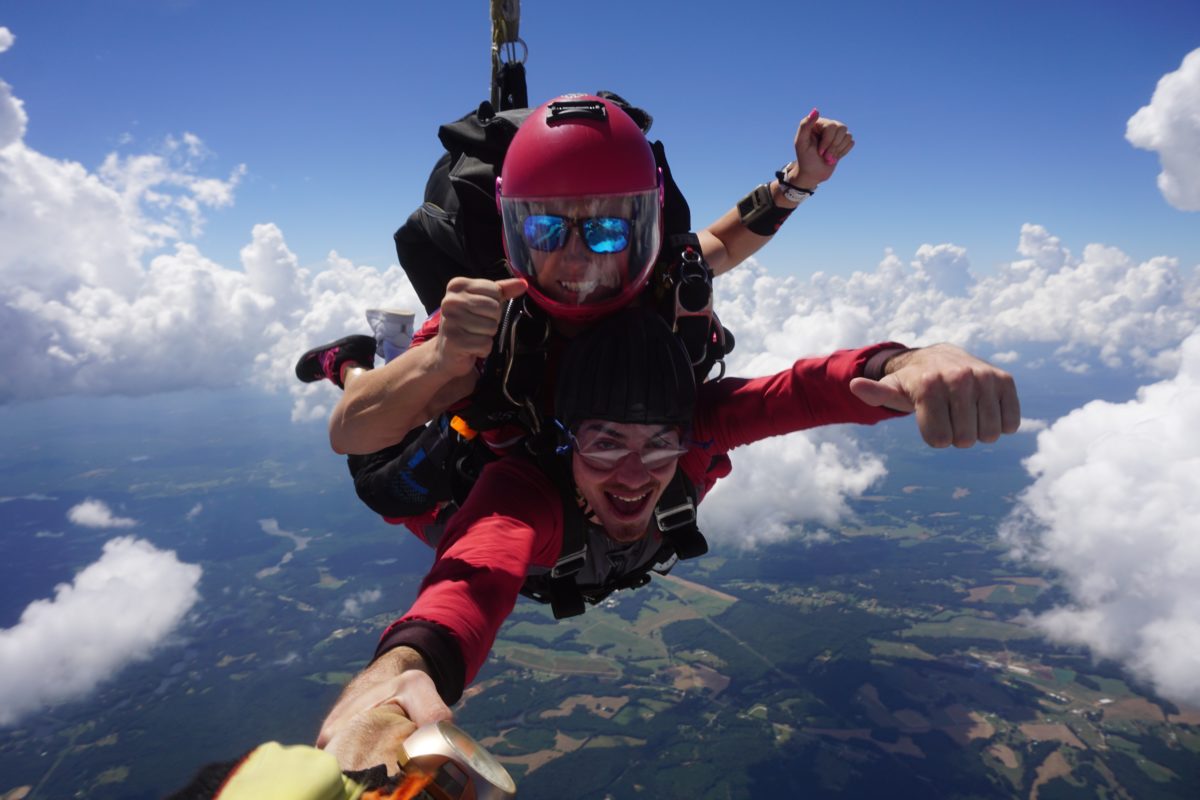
600, 453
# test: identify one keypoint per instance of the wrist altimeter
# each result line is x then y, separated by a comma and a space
759, 213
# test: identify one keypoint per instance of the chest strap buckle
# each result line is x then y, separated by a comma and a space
570, 563
679, 516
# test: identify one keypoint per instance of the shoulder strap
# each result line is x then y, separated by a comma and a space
675, 515
558, 588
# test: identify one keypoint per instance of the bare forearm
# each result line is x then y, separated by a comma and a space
381, 405
727, 242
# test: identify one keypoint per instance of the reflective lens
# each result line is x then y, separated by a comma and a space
545, 232
548, 232
605, 234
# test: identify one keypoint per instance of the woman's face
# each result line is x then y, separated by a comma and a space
575, 274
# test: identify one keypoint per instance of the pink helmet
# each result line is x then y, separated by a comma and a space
580, 197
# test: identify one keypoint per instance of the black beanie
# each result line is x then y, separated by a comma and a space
628, 368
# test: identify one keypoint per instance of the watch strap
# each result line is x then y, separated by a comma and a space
793, 194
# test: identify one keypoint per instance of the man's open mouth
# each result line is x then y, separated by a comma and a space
629, 504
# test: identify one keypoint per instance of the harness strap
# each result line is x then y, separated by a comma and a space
526, 347
676, 518
512, 373
562, 592
565, 598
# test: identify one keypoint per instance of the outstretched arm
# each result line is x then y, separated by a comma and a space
958, 399
379, 709
820, 145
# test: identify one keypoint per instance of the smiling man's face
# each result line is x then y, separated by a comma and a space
623, 492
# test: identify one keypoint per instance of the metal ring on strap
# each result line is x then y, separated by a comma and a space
506, 32
506, 52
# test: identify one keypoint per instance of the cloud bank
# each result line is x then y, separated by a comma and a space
1047, 306
1113, 510
1170, 126
116, 611
103, 289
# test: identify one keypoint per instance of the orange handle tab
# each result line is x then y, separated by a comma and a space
464, 430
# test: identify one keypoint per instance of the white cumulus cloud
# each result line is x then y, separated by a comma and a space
96, 514
780, 486
116, 611
1170, 126
1113, 510
12, 111
103, 289
12, 117
1100, 308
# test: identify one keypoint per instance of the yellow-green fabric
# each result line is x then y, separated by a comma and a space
296, 772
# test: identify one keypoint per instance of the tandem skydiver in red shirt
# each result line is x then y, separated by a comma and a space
631, 422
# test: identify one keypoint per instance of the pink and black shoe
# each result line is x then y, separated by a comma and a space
325, 362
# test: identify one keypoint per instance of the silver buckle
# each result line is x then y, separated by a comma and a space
570, 564
686, 512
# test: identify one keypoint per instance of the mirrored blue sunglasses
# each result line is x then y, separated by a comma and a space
549, 232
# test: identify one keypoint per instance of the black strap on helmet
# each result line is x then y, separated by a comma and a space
564, 110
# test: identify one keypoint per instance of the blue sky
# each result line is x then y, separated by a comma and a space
972, 118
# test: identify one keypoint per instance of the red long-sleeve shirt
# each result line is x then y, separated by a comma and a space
512, 521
